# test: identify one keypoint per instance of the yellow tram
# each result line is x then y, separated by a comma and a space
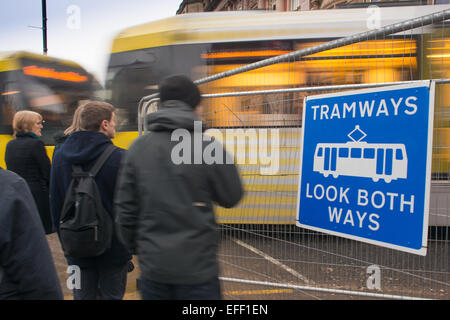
50, 86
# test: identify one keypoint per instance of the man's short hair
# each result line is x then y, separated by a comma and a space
93, 113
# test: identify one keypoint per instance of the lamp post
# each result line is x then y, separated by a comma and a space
44, 25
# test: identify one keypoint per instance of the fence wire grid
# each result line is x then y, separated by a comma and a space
263, 254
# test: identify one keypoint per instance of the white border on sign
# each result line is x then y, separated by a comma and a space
430, 84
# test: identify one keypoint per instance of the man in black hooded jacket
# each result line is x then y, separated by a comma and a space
164, 208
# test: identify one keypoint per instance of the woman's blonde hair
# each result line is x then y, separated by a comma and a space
75, 126
24, 120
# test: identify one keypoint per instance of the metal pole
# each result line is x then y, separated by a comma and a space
148, 100
337, 291
44, 25
387, 30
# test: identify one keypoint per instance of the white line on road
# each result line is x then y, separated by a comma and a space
274, 261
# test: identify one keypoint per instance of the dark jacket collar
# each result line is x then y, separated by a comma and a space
28, 134
173, 114
84, 146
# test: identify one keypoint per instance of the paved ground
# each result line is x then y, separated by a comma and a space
61, 268
311, 268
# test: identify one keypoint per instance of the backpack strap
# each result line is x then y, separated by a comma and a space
1, 274
101, 160
77, 171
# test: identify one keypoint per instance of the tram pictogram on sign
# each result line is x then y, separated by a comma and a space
386, 161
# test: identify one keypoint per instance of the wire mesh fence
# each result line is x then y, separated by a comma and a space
262, 249
263, 254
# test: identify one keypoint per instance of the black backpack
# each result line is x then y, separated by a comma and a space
85, 227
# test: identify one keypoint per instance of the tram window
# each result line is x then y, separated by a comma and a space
10, 102
343, 152
369, 153
355, 153
44, 99
398, 154
320, 152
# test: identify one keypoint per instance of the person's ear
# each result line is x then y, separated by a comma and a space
104, 125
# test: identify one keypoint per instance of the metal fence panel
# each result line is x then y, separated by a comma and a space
263, 255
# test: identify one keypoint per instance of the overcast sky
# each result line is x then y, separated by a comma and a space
78, 30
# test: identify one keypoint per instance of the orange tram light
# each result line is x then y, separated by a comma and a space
52, 73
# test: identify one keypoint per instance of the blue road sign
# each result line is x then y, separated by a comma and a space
365, 165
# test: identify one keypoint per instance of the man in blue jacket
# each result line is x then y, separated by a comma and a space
27, 270
106, 273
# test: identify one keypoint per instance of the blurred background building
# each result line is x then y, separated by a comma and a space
190, 6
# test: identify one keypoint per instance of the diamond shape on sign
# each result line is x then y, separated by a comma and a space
357, 134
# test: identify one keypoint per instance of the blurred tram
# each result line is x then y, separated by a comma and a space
204, 44
49, 86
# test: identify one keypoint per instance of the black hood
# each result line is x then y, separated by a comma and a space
173, 114
84, 146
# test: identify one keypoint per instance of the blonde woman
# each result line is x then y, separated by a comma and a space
26, 156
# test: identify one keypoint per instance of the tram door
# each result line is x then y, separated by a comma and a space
384, 161
330, 159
